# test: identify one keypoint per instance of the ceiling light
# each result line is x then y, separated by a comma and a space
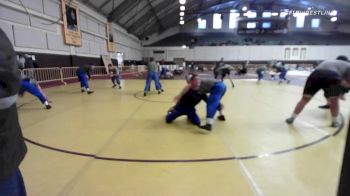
181, 18
182, 22
184, 46
182, 1
333, 19
182, 8
182, 13
244, 8
333, 13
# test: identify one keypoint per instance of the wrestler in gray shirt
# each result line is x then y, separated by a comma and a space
338, 66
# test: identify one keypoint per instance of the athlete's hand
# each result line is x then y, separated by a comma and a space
177, 98
171, 109
342, 97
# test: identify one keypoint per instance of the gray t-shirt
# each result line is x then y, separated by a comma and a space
338, 66
206, 85
152, 66
114, 70
225, 66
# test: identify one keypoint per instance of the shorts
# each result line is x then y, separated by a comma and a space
327, 80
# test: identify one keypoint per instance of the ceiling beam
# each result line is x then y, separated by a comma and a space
143, 19
155, 14
96, 9
162, 13
149, 29
104, 4
117, 13
137, 12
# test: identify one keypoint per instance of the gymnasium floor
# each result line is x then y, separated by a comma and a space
115, 142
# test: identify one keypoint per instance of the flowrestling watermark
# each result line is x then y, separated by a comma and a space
312, 12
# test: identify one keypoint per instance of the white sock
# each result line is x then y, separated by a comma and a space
294, 116
46, 103
335, 119
88, 89
210, 121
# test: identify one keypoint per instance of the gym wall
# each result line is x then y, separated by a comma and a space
41, 32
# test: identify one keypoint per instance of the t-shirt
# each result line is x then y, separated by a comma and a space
152, 66
338, 66
225, 66
261, 68
191, 98
12, 146
206, 85
218, 66
86, 69
279, 67
114, 70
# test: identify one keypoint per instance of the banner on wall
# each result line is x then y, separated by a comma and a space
110, 38
106, 61
71, 22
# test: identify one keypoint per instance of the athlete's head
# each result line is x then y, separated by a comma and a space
343, 58
194, 80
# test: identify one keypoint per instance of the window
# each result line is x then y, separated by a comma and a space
202, 23
287, 53
266, 15
251, 25
284, 13
303, 53
266, 25
251, 14
315, 23
217, 23
233, 19
295, 52
300, 19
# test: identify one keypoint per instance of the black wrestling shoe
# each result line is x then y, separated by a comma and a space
120, 87
144, 94
205, 128
289, 121
82, 90
159, 92
335, 124
162, 90
90, 92
324, 106
48, 107
114, 85
221, 118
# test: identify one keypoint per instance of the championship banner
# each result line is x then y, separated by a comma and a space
106, 61
110, 38
71, 22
